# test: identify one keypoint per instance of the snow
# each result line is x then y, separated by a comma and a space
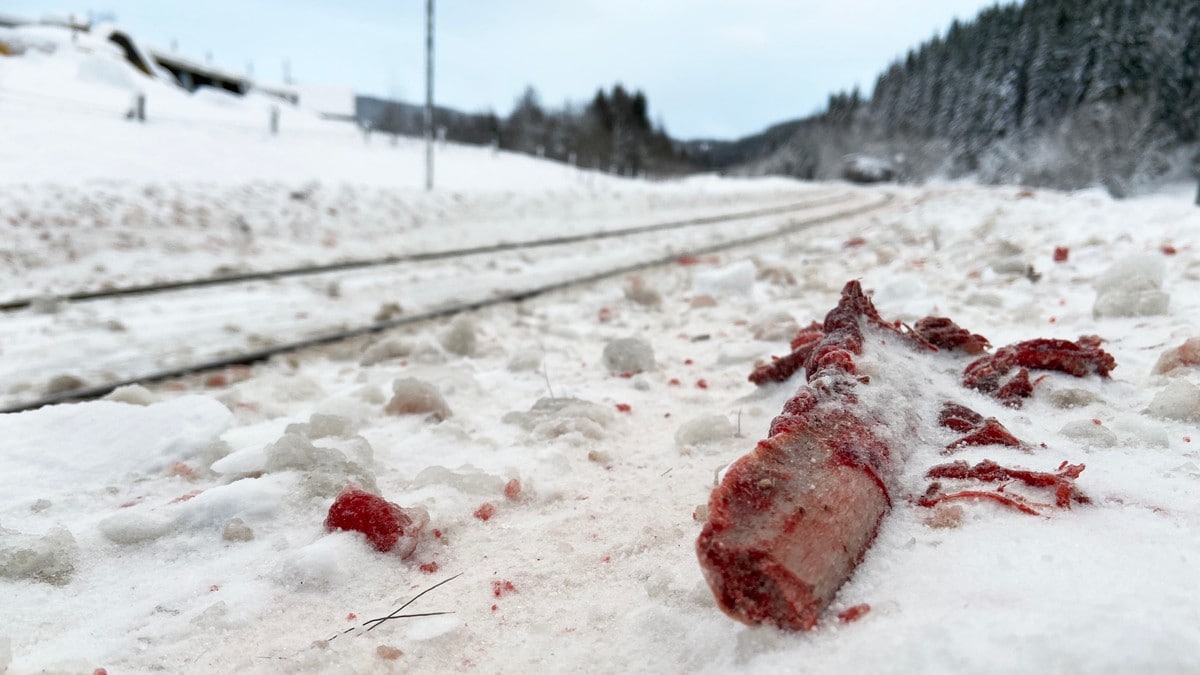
179, 525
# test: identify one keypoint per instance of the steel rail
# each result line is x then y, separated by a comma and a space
257, 355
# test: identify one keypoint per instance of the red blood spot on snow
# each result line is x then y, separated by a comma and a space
388, 652
1187, 439
687, 260
216, 380
606, 559
429, 567
851, 614
186, 496
214, 588
437, 534
1096, 422
183, 470
624, 407
382, 521
626, 376
702, 383
1061, 253
854, 242
502, 587
1053, 319
674, 382
687, 362
485, 511
100, 671
605, 315
1169, 250
352, 617
495, 608
512, 490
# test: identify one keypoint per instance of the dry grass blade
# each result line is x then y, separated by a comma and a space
372, 624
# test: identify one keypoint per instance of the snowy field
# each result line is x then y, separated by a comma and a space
180, 527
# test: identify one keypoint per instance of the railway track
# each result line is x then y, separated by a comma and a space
441, 309
426, 256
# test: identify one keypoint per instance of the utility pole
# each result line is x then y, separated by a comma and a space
428, 94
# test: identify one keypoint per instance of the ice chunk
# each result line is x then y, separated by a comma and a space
133, 527
554, 417
1131, 287
49, 559
326, 470
730, 280
629, 355
237, 530
1070, 397
704, 429
525, 359
413, 396
460, 337
1177, 358
133, 394
466, 479
1179, 400
637, 290
1089, 433
385, 349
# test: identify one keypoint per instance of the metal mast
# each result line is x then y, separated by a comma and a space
428, 94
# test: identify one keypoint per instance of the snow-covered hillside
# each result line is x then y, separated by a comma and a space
181, 527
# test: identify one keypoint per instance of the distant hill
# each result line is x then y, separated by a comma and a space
1060, 93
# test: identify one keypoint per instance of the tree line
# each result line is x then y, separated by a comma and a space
612, 132
1062, 93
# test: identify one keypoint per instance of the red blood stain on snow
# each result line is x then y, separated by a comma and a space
437, 534
388, 653
183, 470
382, 521
624, 407
851, 614
1096, 422
186, 496
485, 511
495, 608
503, 587
352, 617
100, 671
687, 260
854, 242
214, 588
674, 382
1169, 250
626, 376
429, 567
1187, 439
512, 489
687, 362
702, 383
604, 315
1061, 253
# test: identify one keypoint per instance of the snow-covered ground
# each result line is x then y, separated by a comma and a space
180, 527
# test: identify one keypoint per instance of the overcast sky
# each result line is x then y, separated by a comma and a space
710, 68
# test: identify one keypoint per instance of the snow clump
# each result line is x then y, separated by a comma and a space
49, 559
551, 418
460, 337
629, 355
1179, 400
730, 280
1131, 287
415, 397
702, 430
